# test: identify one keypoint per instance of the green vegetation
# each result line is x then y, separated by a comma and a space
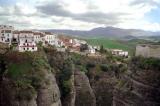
18, 70
107, 43
146, 63
118, 44
27, 70
65, 78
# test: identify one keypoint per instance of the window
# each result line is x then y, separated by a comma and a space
27, 48
23, 48
33, 48
8, 40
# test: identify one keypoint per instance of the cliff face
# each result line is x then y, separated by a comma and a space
62, 79
47, 95
27, 81
84, 93
103, 84
139, 86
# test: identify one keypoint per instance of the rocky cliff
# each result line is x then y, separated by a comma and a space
139, 85
27, 80
51, 78
84, 93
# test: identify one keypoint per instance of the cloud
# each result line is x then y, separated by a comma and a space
149, 2
53, 9
79, 14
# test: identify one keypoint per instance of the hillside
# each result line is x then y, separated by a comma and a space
108, 32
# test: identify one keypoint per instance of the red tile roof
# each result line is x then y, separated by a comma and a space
6, 31
39, 33
48, 33
26, 31
16, 32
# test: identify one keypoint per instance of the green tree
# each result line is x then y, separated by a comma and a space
102, 49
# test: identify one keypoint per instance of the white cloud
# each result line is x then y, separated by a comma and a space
91, 13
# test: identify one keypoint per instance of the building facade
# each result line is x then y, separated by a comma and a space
147, 50
51, 39
26, 41
6, 34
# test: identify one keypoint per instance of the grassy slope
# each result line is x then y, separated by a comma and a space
112, 44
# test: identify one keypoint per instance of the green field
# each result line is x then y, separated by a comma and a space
112, 44
118, 44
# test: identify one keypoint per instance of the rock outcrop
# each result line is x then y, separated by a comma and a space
48, 95
34, 85
84, 92
138, 87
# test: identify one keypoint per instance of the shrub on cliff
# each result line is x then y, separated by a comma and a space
146, 63
27, 70
65, 76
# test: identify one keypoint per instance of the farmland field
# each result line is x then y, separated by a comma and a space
112, 44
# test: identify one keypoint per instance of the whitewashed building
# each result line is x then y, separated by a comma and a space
15, 38
38, 36
6, 34
91, 49
51, 39
30, 46
119, 52
26, 41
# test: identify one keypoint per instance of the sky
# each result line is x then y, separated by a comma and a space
81, 14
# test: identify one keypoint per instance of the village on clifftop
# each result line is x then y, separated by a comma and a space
27, 40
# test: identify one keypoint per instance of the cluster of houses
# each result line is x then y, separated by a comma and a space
27, 40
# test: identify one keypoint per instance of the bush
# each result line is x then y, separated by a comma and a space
82, 68
104, 67
24, 90
65, 76
90, 65
146, 63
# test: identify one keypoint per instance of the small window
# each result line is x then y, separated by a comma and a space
33, 48
23, 48
27, 48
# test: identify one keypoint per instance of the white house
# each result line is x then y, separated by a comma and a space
38, 36
77, 42
30, 46
26, 41
119, 52
6, 27
6, 34
15, 38
51, 39
91, 49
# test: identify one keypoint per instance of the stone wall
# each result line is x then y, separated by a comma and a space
148, 51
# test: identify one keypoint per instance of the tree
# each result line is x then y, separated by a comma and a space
83, 47
102, 49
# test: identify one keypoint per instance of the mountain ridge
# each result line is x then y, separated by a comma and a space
109, 32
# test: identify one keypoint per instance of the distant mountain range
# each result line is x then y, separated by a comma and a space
109, 32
